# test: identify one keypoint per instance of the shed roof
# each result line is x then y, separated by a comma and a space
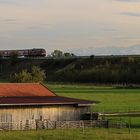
24, 89
34, 94
51, 100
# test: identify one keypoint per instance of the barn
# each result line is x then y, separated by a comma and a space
22, 102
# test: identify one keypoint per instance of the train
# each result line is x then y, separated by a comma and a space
24, 53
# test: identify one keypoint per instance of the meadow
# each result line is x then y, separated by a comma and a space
111, 99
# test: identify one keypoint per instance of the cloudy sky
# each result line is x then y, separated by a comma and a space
82, 26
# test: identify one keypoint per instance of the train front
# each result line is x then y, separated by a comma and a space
43, 52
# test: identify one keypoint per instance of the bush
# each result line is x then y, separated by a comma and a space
36, 75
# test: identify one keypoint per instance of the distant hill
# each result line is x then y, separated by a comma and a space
133, 50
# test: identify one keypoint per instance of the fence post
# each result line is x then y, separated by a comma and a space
129, 125
20, 125
27, 125
107, 123
55, 125
83, 126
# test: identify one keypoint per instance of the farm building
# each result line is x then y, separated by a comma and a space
23, 102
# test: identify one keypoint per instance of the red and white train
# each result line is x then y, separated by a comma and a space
24, 53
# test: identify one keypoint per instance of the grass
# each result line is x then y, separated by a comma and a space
112, 99
72, 134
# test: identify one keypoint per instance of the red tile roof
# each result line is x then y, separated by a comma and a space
24, 89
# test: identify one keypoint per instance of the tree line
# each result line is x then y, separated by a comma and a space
119, 70
113, 70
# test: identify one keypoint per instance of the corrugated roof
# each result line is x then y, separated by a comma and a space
34, 94
36, 100
24, 89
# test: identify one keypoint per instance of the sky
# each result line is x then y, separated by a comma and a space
83, 27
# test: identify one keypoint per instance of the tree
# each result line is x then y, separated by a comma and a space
36, 75
57, 53
23, 77
67, 54
92, 57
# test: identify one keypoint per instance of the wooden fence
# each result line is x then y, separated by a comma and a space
80, 124
29, 125
47, 124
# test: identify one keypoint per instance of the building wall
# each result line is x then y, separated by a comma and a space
52, 113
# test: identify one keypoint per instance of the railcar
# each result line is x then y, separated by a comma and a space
24, 53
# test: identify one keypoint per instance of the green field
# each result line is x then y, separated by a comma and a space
111, 99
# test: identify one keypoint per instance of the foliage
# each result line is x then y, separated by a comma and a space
99, 70
115, 70
36, 75
60, 54
57, 53
67, 54
22, 77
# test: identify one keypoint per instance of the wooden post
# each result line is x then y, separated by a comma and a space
20, 125
83, 126
27, 125
129, 125
91, 119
